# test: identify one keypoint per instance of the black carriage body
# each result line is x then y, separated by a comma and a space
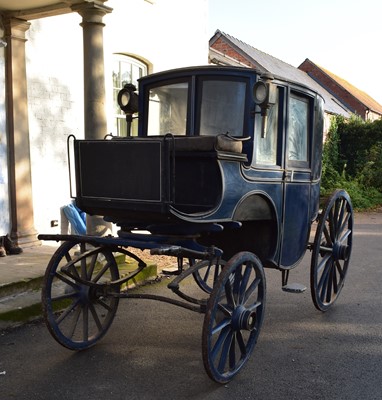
182, 168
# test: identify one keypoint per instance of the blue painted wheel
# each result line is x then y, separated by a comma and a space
331, 250
78, 314
208, 273
234, 316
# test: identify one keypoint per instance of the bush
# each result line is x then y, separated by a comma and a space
352, 160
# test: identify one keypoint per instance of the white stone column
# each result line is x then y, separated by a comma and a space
92, 13
19, 163
94, 74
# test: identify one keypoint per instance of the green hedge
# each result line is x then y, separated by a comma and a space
352, 160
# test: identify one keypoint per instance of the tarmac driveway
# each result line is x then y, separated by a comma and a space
153, 350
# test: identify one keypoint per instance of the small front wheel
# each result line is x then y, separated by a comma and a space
234, 316
331, 250
78, 307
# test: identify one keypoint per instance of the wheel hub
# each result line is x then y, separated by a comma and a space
88, 294
243, 319
340, 251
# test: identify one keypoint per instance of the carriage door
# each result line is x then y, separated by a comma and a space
297, 176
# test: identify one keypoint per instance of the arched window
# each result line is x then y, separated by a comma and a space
125, 70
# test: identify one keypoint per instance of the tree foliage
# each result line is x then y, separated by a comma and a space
352, 159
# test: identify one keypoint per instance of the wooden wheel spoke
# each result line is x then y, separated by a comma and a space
241, 343
340, 270
71, 267
329, 241
101, 273
343, 221
238, 276
85, 322
220, 342
220, 326
63, 296
74, 322
244, 282
68, 257
226, 347
103, 304
251, 290
322, 284
336, 210
67, 311
345, 236
66, 280
254, 306
329, 285
340, 215
95, 316
92, 265
334, 279
229, 294
331, 224
84, 274
207, 273
323, 263
232, 353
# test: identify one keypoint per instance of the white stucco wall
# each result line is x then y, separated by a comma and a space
55, 93
166, 34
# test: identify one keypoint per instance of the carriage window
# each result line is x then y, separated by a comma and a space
168, 109
266, 147
298, 129
222, 107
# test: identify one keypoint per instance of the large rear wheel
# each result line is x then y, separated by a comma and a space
331, 250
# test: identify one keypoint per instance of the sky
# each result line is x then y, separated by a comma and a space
342, 36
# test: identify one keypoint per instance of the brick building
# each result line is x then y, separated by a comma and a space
357, 101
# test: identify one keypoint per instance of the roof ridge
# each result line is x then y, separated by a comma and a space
359, 94
249, 45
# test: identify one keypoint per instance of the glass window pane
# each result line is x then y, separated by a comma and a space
125, 70
168, 109
125, 74
116, 77
135, 75
298, 129
266, 147
222, 108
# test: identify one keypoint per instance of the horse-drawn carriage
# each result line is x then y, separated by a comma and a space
224, 175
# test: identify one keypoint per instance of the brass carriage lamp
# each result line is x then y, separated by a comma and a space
128, 102
264, 95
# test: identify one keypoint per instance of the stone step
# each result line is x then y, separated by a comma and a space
20, 301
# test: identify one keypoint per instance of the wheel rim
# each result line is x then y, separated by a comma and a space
207, 274
234, 317
78, 315
332, 250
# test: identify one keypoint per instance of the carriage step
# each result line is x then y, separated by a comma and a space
172, 270
294, 288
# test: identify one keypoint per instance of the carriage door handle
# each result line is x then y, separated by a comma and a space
288, 176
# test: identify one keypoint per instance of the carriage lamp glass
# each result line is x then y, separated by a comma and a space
125, 99
260, 92
265, 96
128, 99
